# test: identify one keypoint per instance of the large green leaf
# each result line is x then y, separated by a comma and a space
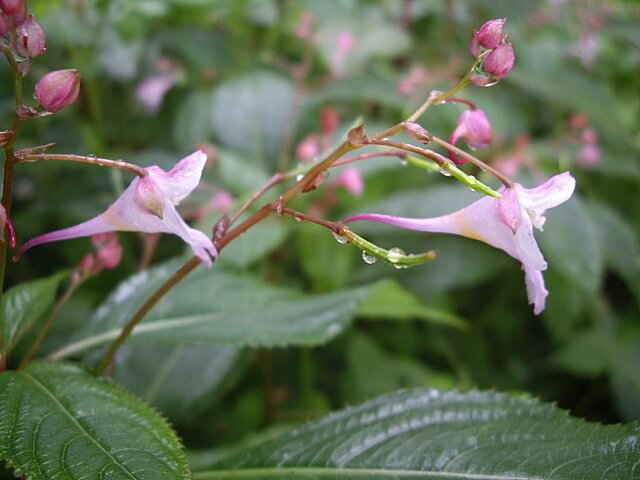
443, 435
164, 375
218, 306
23, 304
58, 421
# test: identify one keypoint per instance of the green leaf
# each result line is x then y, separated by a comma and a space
247, 249
571, 245
443, 435
393, 372
251, 114
164, 375
389, 300
23, 304
58, 421
193, 123
217, 306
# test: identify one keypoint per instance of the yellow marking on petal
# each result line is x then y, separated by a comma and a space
465, 227
112, 220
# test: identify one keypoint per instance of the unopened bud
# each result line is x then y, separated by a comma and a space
108, 249
499, 61
418, 132
329, 120
474, 127
490, 34
30, 38
4, 25
352, 181
357, 136
308, 149
317, 181
58, 89
148, 196
16, 10
474, 45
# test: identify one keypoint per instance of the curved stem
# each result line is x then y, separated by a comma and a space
475, 161
144, 309
49, 323
25, 156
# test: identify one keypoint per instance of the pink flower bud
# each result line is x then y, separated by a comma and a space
499, 61
4, 26
352, 181
490, 34
30, 38
148, 196
221, 201
329, 120
108, 249
474, 127
474, 45
16, 10
58, 89
308, 149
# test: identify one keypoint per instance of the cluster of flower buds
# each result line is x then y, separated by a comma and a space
474, 128
29, 40
24, 37
498, 56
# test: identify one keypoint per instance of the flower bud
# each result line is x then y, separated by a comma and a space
108, 249
499, 61
490, 34
58, 89
4, 25
418, 132
16, 10
351, 180
308, 149
474, 127
149, 197
329, 120
30, 38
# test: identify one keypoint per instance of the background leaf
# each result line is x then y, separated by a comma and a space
57, 421
422, 433
23, 304
217, 306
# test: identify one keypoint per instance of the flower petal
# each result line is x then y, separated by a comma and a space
558, 189
536, 290
182, 179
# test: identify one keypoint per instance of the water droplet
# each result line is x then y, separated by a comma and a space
91, 156
297, 218
299, 177
445, 172
368, 258
491, 83
340, 239
404, 162
395, 255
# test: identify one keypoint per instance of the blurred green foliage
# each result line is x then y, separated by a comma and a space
250, 86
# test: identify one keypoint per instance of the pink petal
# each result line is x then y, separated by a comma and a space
536, 290
182, 179
509, 209
558, 189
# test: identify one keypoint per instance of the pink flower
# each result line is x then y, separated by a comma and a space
30, 38
474, 127
151, 91
351, 180
147, 205
505, 223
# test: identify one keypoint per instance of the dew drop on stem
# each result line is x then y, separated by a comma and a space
340, 239
368, 258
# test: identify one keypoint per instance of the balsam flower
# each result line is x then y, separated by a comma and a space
147, 205
505, 223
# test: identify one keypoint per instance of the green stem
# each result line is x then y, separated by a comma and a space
73, 286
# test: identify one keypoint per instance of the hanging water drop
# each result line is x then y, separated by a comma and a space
404, 162
299, 177
395, 255
445, 171
368, 258
340, 239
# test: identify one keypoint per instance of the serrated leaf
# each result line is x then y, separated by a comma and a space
23, 304
443, 435
58, 421
389, 300
218, 306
